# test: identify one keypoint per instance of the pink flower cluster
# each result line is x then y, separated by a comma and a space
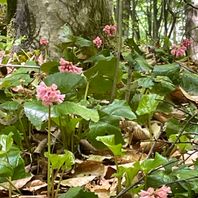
66, 66
110, 30
97, 41
158, 193
43, 41
49, 95
179, 50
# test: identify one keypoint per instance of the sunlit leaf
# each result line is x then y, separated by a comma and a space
148, 104
61, 161
109, 141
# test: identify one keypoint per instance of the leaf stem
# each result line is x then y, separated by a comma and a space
119, 45
48, 152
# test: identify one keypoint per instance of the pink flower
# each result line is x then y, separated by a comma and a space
162, 192
178, 50
110, 30
97, 41
43, 41
49, 95
66, 66
158, 193
186, 43
149, 193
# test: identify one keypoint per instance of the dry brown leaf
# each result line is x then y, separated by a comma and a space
188, 96
131, 155
156, 129
17, 183
77, 181
35, 185
134, 130
89, 168
105, 189
146, 146
33, 196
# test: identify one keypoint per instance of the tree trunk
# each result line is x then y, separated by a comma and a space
192, 31
46, 18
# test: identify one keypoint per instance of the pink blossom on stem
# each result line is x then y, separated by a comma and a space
66, 66
49, 95
178, 51
110, 30
43, 41
149, 193
97, 41
186, 43
162, 192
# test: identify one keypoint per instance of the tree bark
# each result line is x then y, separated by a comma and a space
192, 30
47, 18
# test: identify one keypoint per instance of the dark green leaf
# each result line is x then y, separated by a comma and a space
78, 192
66, 82
50, 67
120, 109
74, 108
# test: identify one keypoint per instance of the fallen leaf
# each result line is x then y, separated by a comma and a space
77, 181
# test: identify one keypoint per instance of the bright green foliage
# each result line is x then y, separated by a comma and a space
150, 164
109, 141
78, 192
120, 109
61, 161
12, 164
148, 104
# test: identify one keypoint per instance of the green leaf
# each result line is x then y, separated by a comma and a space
82, 42
189, 83
3, 1
6, 170
109, 141
172, 127
78, 192
120, 109
108, 125
158, 179
66, 82
36, 113
15, 78
17, 137
6, 142
100, 77
163, 85
129, 173
61, 161
141, 64
170, 70
148, 104
145, 82
74, 108
150, 164
181, 146
10, 105
50, 67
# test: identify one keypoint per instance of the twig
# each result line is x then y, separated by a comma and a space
189, 4
20, 66
119, 44
179, 135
